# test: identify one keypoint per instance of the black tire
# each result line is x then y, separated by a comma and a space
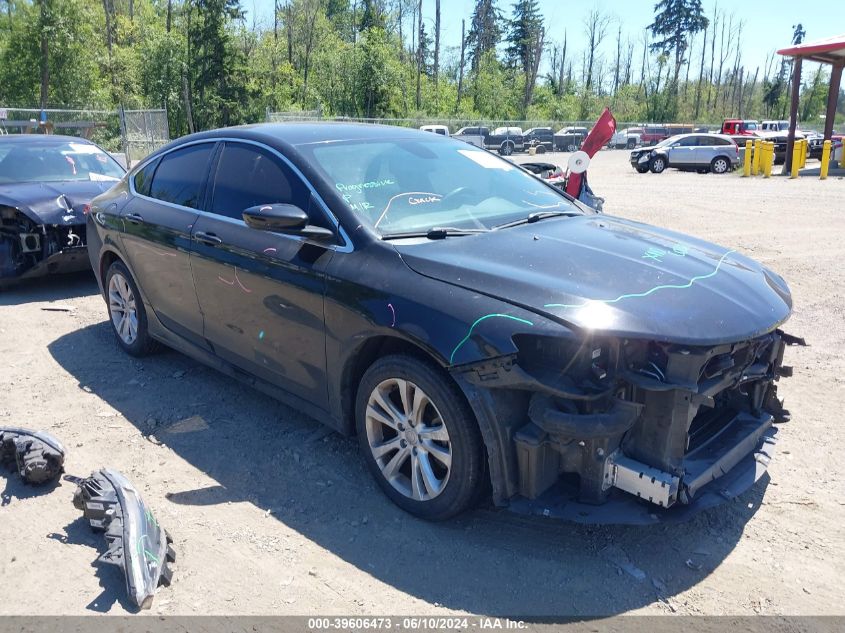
720, 165
142, 344
641, 170
541, 149
572, 147
506, 148
632, 143
657, 165
465, 478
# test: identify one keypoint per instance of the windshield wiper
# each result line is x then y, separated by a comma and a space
534, 217
434, 233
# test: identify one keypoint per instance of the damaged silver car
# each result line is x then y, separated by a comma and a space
46, 185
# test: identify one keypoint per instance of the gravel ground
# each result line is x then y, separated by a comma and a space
272, 514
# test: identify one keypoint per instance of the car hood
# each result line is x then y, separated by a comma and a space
614, 276
54, 202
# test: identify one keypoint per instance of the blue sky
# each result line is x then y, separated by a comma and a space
768, 23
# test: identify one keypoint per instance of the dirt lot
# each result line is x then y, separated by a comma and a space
272, 514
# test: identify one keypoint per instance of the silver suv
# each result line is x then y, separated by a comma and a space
700, 152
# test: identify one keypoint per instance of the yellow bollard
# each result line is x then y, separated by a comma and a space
768, 158
804, 148
825, 160
746, 160
796, 159
755, 166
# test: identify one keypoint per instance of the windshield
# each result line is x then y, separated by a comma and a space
401, 186
55, 161
750, 125
669, 141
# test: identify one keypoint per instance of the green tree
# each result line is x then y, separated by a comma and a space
675, 22
525, 45
485, 31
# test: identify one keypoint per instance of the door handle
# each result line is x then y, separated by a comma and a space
134, 218
207, 238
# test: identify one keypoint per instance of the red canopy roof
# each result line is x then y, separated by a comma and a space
828, 51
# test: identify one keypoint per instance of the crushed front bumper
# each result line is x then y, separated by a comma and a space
621, 508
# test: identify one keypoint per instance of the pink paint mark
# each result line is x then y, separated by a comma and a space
390, 305
269, 250
236, 280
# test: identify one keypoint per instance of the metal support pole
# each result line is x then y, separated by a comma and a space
832, 97
793, 114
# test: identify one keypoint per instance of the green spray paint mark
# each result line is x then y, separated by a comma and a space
479, 320
647, 292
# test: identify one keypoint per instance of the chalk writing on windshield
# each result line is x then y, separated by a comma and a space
360, 186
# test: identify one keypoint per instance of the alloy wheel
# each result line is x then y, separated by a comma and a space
123, 309
408, 439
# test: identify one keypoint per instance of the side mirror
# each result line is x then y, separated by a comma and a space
284, 218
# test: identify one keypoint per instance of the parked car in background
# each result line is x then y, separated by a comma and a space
774, 126
442, 130
504, 140
699, 152
653, 134
412, 295
540, 138
628, 137
46, 184
739, 127
569, 139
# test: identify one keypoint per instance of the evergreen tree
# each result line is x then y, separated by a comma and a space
525, 44
675, 22
485, 31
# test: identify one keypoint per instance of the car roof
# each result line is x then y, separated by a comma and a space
287, 136
58, 138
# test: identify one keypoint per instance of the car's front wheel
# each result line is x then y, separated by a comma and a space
657, 165
126, 311
419, 438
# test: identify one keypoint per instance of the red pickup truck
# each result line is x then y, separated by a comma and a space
739, 127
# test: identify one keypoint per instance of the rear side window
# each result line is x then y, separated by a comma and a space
144, 178
248, 176
180, 175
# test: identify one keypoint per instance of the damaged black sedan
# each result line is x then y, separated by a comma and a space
46, 184
473, 325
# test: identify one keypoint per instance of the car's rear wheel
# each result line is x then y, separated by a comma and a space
541, 149
572, 147
632, 143
506, 149
419, 438
720, 165
657, 165
126, 311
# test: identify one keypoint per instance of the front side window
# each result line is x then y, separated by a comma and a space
180, 175
56, 161
399, 186
247, 176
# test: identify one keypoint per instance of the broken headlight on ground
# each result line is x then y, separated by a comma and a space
136, 542
660, 421
37, 456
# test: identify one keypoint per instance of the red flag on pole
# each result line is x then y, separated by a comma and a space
598, 137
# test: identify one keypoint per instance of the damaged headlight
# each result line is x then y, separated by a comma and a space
37, 456
137, 543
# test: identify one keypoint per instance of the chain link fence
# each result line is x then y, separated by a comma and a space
144, 131
128, 134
